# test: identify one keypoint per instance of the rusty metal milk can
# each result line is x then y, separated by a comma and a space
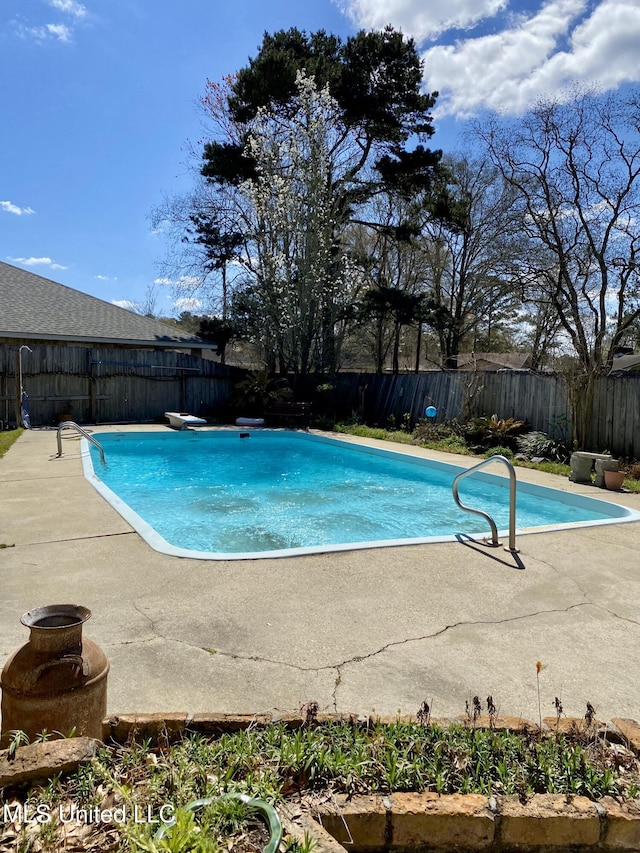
58, 680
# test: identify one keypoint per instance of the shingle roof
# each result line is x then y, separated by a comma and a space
36, 308
626, 363
495, 360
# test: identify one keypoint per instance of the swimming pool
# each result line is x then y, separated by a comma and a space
226, 494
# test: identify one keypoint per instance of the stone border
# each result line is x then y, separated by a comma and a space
169, 727
469, 822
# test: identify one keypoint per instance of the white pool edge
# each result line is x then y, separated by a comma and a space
160, 544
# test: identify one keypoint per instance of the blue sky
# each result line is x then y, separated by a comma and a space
98, 102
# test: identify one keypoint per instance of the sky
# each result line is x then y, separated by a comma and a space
99, 104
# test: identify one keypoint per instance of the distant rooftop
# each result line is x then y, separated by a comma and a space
494, 360
36, 308
626, 363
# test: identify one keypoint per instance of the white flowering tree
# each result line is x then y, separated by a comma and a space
303, 284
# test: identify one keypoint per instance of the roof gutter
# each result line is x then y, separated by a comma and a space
186, 343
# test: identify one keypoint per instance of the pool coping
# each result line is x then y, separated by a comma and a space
160, 544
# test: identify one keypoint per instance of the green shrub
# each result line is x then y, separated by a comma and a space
257, 391
499, 451
538, 445
493, 431
427, 432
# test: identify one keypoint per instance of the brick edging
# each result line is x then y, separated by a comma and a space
121, 727
427, 821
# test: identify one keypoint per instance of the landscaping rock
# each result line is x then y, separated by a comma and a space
498, 723
573, 725
454, 822
359, 822
39, 761
630, 729
550, 820
157, 727
623, 825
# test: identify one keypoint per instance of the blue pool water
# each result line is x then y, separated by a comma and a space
216, 494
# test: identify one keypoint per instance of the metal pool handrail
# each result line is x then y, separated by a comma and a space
512, 500
83, 432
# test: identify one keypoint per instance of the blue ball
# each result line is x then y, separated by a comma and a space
431, 411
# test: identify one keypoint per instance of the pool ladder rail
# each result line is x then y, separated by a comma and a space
84, 433
495, 542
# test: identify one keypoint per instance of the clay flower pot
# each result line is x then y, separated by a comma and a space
613, 480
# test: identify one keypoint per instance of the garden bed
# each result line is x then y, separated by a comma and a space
374, 785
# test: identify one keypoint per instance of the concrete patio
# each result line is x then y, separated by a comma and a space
355, 631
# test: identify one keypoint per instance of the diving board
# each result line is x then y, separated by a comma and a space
182, 420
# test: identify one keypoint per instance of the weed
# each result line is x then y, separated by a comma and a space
18, 738
424, 714
539, 667
492, 712
306, 845
374, 432
310, 713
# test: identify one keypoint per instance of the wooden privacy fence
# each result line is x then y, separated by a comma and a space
98, 385
541, 400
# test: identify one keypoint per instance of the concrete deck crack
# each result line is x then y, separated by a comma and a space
129, 642
77, 538
359, 658
439, 633
152, 624
617, 615
585, 595
567, 577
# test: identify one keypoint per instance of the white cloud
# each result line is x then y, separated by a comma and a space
604, 47
59, 31
187, 304
188, 281
518, 57
125, 303
423, 20
102, 277
541, 56
164, 281
9, 207
56, 31
70, 7
38, 262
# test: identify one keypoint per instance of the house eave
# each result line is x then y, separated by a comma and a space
94, 341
